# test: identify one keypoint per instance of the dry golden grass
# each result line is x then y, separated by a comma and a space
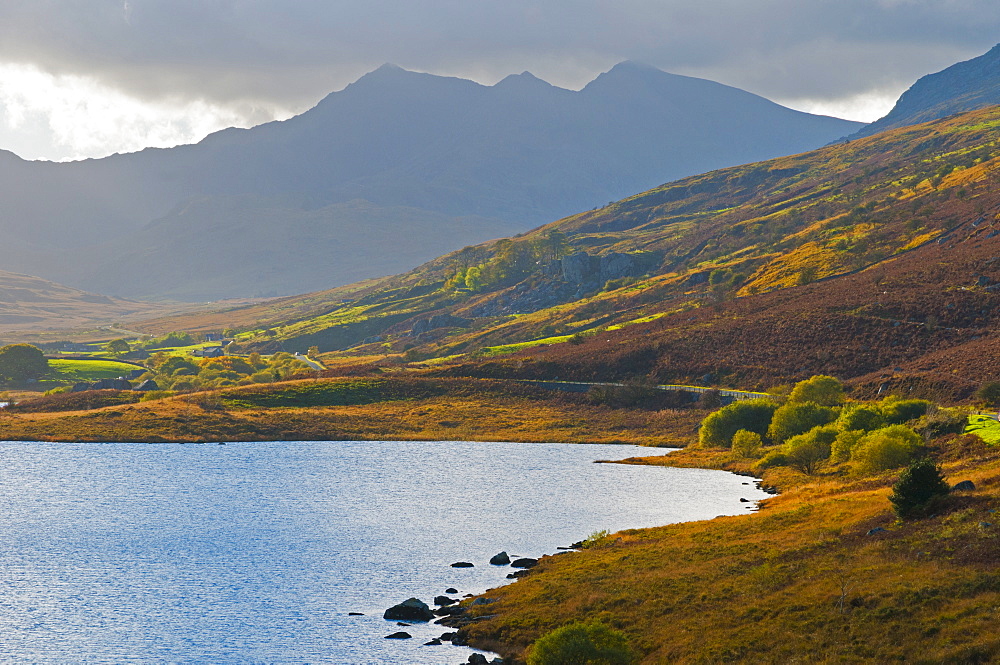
799, 582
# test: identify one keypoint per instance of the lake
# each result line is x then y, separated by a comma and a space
257, 552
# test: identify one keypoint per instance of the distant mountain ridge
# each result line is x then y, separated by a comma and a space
965, 86
475, 161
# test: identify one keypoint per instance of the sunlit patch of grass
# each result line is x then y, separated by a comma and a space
985, 427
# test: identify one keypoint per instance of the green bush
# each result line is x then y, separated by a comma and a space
844, 444
861, 417
798, 418
747, 444
590, 643
807, 452
917, 489
887, 448
773, 458
821, 389
899, 411
753, 415
19, 362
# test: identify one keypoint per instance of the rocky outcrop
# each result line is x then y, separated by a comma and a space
147, 385
411, 609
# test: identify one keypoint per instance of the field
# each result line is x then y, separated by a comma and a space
985, 427
72, 371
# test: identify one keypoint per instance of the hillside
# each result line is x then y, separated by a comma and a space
965, 86
855, 259
32, 304
390, 172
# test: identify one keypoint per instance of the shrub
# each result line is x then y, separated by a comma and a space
939, 422
773, 458
899, 411
590, 643
821, 389
753, 415
594, 539
917, 489
798, 418
844, 444
806, 452
861, 417
747, 444
886, 448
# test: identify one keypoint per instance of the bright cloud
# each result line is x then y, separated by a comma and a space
88, 119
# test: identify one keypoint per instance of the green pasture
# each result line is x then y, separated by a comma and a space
71, 371
986, 427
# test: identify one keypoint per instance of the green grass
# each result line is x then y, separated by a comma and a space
87, 370
511, 348
986, 427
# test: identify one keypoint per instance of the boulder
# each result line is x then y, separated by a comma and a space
355, 614
501, 559
451, 589
401, 635
148, 384
964, 486
444, 600
79, 387
478, 659
484, 601
448, 637
524, 563
462, 564
411, 609
433, 643
878, 529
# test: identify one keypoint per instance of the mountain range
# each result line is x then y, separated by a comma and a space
389, 172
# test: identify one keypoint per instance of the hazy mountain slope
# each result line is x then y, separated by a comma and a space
512, 155
260, 249
30, 304
966, 86
850, 259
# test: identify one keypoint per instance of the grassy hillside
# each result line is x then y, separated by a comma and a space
853, 260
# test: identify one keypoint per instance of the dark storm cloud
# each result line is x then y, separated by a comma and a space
290, 51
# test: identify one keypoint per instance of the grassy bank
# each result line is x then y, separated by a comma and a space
823, 573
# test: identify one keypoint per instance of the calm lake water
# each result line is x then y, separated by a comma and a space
255, 553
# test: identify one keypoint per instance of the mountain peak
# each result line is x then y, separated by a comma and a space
523, 81
965, 86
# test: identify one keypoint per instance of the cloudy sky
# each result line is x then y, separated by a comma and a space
86, 78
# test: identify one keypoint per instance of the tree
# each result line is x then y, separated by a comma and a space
20, 362
798, 418
118, 347
884, 449
917, 489
861, 417
821, 389
719, 427
579, 643
747, 444
807, 452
